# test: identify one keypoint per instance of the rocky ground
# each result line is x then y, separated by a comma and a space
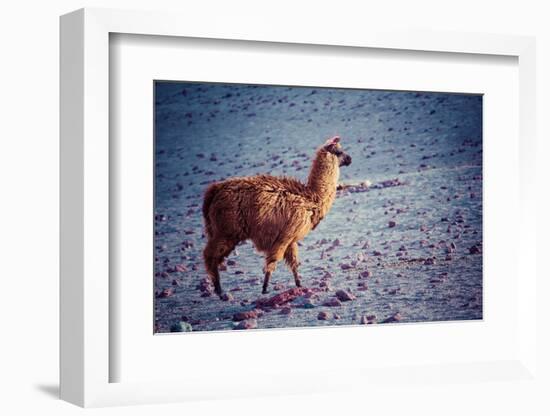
402, 243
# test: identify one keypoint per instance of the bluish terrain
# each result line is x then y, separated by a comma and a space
403, 238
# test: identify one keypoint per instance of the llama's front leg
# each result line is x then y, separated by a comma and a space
266, 282
291, 258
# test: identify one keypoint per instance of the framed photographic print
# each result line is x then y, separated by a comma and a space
245, 206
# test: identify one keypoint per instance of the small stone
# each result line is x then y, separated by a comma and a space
346, 266
365, 274
283, 297
226, 297
181, 327
344, 296
248, 324
243, 316
475, 250
287, 310
392, 319
166, 293
392, 224
323, 316
332, 302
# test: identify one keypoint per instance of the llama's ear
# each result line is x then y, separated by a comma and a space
332, 141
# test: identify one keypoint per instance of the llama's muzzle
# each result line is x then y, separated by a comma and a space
345, 160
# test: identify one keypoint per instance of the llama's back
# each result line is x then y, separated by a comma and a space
241, 208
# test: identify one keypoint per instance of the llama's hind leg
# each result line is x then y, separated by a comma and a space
291, 258
214, 253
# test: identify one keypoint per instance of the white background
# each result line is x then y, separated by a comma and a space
29, 208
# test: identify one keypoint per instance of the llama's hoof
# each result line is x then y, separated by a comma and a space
298, 283
265, 291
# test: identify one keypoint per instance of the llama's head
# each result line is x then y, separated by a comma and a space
334, 150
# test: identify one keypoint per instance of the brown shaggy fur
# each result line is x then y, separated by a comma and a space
274, 212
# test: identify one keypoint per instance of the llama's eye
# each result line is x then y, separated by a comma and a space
337, 152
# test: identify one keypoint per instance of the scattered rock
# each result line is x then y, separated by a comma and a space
307, 305
323, 316
346, 266
475, 250
392, 319
283, 297
227, 297
243, 316
248, 324
181, 327
204, 286
332, 302
392, 224
344, 296
287, 310
166, 293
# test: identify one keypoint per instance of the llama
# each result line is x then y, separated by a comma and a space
273, 212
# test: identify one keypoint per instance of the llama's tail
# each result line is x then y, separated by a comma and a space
209, 195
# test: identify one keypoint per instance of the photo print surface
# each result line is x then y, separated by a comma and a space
288, 206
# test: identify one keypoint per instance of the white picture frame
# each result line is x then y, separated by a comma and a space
85, 355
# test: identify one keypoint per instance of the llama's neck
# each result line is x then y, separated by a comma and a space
322, 180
